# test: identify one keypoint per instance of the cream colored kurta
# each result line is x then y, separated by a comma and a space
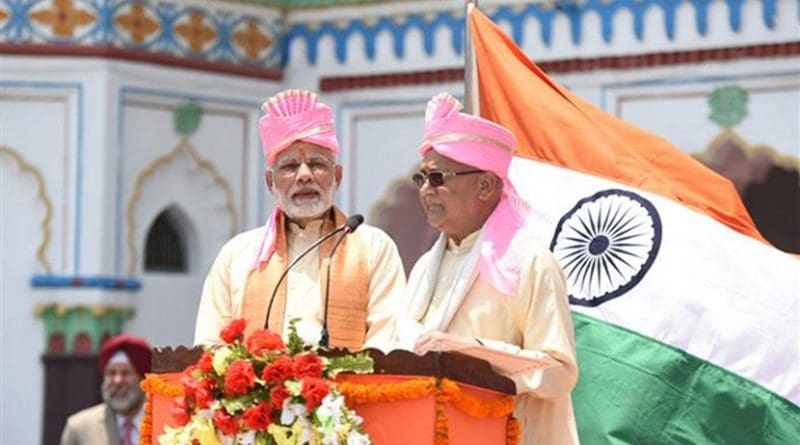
446, 294
224, 287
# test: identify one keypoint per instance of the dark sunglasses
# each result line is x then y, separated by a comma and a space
436, 178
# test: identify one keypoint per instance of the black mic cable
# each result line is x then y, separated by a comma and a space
295, 261
350, 226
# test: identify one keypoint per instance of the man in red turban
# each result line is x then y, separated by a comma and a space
123, 362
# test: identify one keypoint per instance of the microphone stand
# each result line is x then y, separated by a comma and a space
292, 264
324, 339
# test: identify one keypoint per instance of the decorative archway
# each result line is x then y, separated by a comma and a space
184, 147
41, 191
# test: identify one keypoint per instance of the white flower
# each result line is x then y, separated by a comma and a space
248, 438
355, 418
331, 408
356, 438
291, 411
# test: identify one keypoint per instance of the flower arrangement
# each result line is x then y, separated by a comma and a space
260, 391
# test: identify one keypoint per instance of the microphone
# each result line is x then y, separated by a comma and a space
349, 227
345, 227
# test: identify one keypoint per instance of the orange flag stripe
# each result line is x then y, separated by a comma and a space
555, 126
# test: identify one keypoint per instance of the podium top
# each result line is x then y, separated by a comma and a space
452, 365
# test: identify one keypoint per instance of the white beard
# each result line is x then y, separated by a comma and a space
123, 404
307, 208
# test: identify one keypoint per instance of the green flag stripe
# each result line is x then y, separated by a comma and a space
636, 390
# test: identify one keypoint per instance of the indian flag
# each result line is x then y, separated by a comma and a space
686, 319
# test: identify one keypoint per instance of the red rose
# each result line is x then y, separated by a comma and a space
262, 341
307, 365
314, 390
234, 331
240, 378
180, 411
204, 393
204, 364
257, 417
276, 397
225, 422
278, 371
189, 383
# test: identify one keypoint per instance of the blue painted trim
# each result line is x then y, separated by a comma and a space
188, 97
79, 187
75, 281
104, 31
121, 93
735, 14
516, 18
118, 206
78, 87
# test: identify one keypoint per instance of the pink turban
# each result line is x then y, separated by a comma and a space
291, 116
295, 115
482, 144
135, 348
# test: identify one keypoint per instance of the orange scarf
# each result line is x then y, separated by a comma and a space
349, 289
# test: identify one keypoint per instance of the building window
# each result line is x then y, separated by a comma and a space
166, 249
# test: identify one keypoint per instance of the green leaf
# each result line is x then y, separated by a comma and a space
360, 363
261, 438
295, 344
235, 405
295, 388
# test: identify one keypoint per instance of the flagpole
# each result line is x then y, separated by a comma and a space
471, 99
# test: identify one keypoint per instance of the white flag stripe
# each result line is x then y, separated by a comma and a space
719, 295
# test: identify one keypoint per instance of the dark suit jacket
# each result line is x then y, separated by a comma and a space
92, 426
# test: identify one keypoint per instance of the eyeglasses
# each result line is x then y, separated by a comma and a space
436, 178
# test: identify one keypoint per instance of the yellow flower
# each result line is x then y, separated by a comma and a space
281, 435
206, 434
220, 361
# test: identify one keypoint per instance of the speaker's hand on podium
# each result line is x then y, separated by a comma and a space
442, 341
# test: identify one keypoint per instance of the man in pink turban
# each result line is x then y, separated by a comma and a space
123, 362
486, 286
302, 173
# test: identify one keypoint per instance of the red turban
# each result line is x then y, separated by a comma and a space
137, 349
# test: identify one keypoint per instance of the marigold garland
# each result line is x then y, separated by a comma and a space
441, 433
146, 429
359, 394
475, 407
156, 385
153, 385
513, 431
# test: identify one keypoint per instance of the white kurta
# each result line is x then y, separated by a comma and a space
223, 291
446, 294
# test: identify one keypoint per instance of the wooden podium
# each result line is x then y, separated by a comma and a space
439, 398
